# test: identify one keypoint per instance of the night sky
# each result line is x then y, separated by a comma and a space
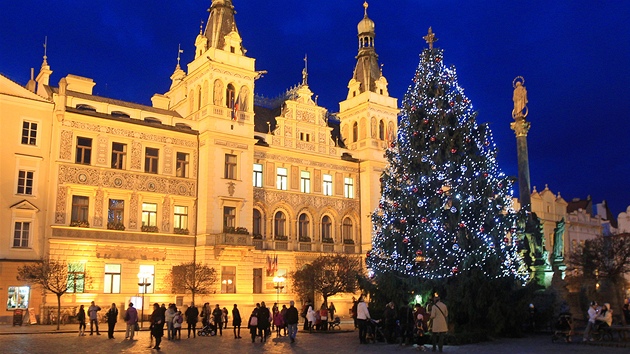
573, 54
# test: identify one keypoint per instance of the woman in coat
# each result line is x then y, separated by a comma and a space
264, 321
112, 318
81, 319
157, 325
236, 322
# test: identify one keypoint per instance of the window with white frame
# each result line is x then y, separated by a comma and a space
281, 178
348, 187
25, 182
305, 182
146, 279
76, 277
111, 284
149, 214
18, 297
328, 189
258, 175
21, 234
29, 133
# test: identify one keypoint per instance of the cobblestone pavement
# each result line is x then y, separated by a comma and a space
326, 343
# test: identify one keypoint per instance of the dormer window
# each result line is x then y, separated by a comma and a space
86, 107
152, 120
120, 114
232, 49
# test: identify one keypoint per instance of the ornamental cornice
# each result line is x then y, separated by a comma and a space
301, 161
129, 133
231, 144
298, 200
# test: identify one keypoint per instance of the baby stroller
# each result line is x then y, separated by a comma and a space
209, 330
375, 331
335, 324
564, 328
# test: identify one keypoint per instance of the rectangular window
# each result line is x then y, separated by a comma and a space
182, 164
29, 133
151, 156
25, 182
181, 217
111, 285
116, 214
119, 152
258, 175
21, 234
229, 217
76, 277
281, 178
305, 182
149, 214
18, 297
228, 280
230, 166
80, 207
146, 279
305, 137
84, 151
328, 190
348, 187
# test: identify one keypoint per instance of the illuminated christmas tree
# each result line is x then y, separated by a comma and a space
445, 206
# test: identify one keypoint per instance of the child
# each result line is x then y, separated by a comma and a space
177, 325
278, 322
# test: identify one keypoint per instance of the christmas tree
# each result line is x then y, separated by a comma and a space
445, 206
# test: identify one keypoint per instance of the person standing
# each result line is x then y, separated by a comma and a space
283, 313
192, 316
311, 318
355, 303
177, 326
225, 317
252, 323
217, 316
592, 312
439, 315
274, 309
81, 319
305, 314
331, 312
291, 318
157, 325
131, 319
205, 314
236, 322
263, 321
112, 318
93, 314
278, 321
389, 315
626, 311
168, 318
363, 315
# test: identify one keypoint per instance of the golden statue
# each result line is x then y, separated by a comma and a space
519, 98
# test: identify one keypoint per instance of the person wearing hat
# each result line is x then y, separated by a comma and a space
439, 317
593, 311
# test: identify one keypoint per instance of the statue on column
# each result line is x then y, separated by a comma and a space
558, 242
519, 98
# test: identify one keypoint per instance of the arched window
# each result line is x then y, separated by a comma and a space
257, 227
381, 130
303, 226
346, 230
355, 132
279, 224
229, 96
326, 227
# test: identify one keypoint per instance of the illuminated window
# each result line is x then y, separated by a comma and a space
305, 182
228, 280
29, 133
146, 276
229, 218
76, 277
258, 175
181, 217
151, 156
111, 285
21, 234
328, 185
149, 214
230, 166
115, 214
279, 224
80, 207
305, 137
25, 182
281, 178
181, 169
18, 297
348, 187
119, 152
84, 150
326, 227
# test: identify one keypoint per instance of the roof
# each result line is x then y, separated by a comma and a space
576, 204
12, 88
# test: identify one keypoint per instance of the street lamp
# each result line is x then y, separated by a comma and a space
144, 283
279, 281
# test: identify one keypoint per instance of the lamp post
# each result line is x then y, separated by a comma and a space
279, 281
144, 283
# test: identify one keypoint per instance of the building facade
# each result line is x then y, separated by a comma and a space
208, 174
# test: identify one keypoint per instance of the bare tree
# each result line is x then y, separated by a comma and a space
195, 278
51, 275
328, 275
605, 258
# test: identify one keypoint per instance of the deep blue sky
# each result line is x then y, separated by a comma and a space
574, 55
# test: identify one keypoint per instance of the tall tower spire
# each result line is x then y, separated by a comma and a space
220, 23
367, 70
43, 78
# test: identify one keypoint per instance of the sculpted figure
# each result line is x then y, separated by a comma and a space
218, 93
519, 98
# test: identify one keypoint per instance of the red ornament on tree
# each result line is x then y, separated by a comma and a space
439, 191
416, 134
396, 204
485, 174
455, 269
403, 220
406, 240
425, 121
413, 108
462, 225
453, 150
415, 190
452, 103
423, 220
432, 138
367, 254
486, 143
392, 145
419, 252
506, 240
482, 229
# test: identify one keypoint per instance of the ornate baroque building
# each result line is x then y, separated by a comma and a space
209, 173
